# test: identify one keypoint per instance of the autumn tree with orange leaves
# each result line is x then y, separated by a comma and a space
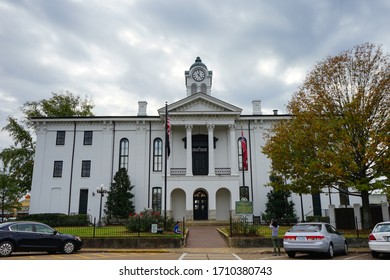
339, 133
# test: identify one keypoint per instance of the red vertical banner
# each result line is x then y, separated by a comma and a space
244, 152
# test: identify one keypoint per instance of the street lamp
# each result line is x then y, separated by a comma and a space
101, 190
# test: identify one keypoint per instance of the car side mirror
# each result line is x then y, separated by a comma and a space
55, 232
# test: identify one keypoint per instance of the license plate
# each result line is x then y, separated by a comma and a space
300, 238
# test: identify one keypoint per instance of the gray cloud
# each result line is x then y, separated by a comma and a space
119, 52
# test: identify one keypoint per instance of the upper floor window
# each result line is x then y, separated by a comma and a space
242, 154
194, 88
157, 154
86, 168
88, 137
60, 140
57, 170
124, 153
203, 88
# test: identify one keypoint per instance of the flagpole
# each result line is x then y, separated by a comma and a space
166, 162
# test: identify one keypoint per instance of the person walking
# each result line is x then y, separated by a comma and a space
274, 226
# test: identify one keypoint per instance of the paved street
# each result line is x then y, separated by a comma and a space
180, 255
203, 243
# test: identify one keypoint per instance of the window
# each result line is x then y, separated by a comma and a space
203, 88
242, 154
124, 153
43, 229
86, 168
22, 227
57, 170
156, 199
157, 154
88, 137
60, 140
193, 88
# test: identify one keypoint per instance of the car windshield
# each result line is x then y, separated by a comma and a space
382, 228
306, 228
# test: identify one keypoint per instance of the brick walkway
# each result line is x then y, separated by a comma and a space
204, 237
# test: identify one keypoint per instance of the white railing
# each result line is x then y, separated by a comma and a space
218, 171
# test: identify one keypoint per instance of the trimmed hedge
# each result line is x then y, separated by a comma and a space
58, 219
323, 219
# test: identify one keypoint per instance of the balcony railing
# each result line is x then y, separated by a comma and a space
218, 171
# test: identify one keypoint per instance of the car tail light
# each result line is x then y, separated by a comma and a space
290, 237
371, 237
315, 237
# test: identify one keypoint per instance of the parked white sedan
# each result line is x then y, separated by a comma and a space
314, 238
379, 239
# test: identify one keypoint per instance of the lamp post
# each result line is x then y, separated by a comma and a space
101, 190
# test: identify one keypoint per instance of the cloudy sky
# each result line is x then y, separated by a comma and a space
119, 52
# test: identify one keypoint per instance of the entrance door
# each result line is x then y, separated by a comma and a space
201, 208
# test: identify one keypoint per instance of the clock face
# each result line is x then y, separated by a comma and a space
198, 75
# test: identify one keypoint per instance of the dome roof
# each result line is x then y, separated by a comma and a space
198, 62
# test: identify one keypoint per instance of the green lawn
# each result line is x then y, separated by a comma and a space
121, 231
112, 231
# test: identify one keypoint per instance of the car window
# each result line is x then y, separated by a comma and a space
382, 228
330, 229
306, 228
43, 229
22, 227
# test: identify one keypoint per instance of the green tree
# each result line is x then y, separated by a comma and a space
339, 132
278, 207
119, 202
9, 194
19, 157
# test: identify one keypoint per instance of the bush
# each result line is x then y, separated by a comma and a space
318, 219
58, 219
143, 221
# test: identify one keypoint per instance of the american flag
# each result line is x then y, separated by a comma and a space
168, 128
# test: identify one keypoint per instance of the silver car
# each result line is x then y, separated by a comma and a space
379, 239
314, 238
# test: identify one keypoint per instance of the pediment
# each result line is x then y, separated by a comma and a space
201, 103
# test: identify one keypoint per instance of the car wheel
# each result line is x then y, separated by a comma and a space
374, 254
345, 251
6, 248
291, 254
330, 252
69, 247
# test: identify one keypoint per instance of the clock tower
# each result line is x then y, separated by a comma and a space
198, 78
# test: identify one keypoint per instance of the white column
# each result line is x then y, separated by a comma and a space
332, 215
385, 211
210, 128
233, 150
357, 215
189, 150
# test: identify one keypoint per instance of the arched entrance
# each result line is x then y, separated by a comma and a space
201, 205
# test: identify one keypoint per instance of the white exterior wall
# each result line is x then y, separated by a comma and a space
202, 113
52, 195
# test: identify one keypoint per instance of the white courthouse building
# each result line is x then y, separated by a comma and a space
76, 155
